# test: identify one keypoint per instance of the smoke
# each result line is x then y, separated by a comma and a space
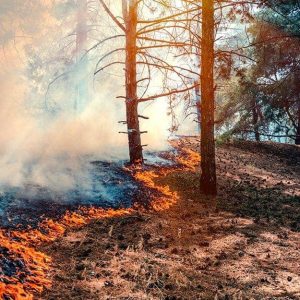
55, 151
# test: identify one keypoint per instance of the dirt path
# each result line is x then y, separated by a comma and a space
243, 245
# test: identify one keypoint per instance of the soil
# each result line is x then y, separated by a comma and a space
244, 244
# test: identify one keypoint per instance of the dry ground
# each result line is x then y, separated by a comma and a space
243, 245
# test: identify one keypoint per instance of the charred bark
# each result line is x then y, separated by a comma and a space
133, 127
297, 140
208, 182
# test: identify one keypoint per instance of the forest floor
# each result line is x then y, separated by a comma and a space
245, 244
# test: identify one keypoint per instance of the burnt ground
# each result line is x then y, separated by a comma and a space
105, 185
245, 244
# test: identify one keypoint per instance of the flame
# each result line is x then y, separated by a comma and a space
188, 159
22, 245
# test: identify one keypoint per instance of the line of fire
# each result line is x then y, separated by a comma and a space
149, 150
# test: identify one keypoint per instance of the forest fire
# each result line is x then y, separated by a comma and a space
186, 160
103, 190
25, 269
31, 277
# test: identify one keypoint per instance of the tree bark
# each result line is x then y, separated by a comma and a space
81, 96
297, 140
255, 119
198, 105
133, 127
208, 181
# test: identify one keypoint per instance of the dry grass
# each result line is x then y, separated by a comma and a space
243, 245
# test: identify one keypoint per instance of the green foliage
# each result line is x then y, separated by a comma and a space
284, 14
266, 97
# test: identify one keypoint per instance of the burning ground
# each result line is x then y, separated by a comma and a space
29, 221
244, 244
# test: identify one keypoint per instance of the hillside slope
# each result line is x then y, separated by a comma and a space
243, 245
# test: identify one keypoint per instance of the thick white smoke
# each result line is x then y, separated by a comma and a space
49, 152
54, 152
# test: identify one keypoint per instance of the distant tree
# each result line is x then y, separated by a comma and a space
68, 61
81, 89
277, 74
241, 110
284, 14
263, 102
280, 63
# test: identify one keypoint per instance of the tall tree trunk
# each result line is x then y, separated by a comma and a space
255, 119
198, 105
208, 181
133, 127
81, 60
297, 140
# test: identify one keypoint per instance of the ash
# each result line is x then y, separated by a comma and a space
105, 185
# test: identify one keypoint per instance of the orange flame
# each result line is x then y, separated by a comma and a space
22, 244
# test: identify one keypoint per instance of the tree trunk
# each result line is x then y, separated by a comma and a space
297, 140
208, 181
255, 120
81, 97
134, 136
198, 105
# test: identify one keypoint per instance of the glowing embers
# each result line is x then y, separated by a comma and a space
24, 270
165, 197
186, 160
99, 184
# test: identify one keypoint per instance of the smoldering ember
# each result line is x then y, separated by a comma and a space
149, 150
